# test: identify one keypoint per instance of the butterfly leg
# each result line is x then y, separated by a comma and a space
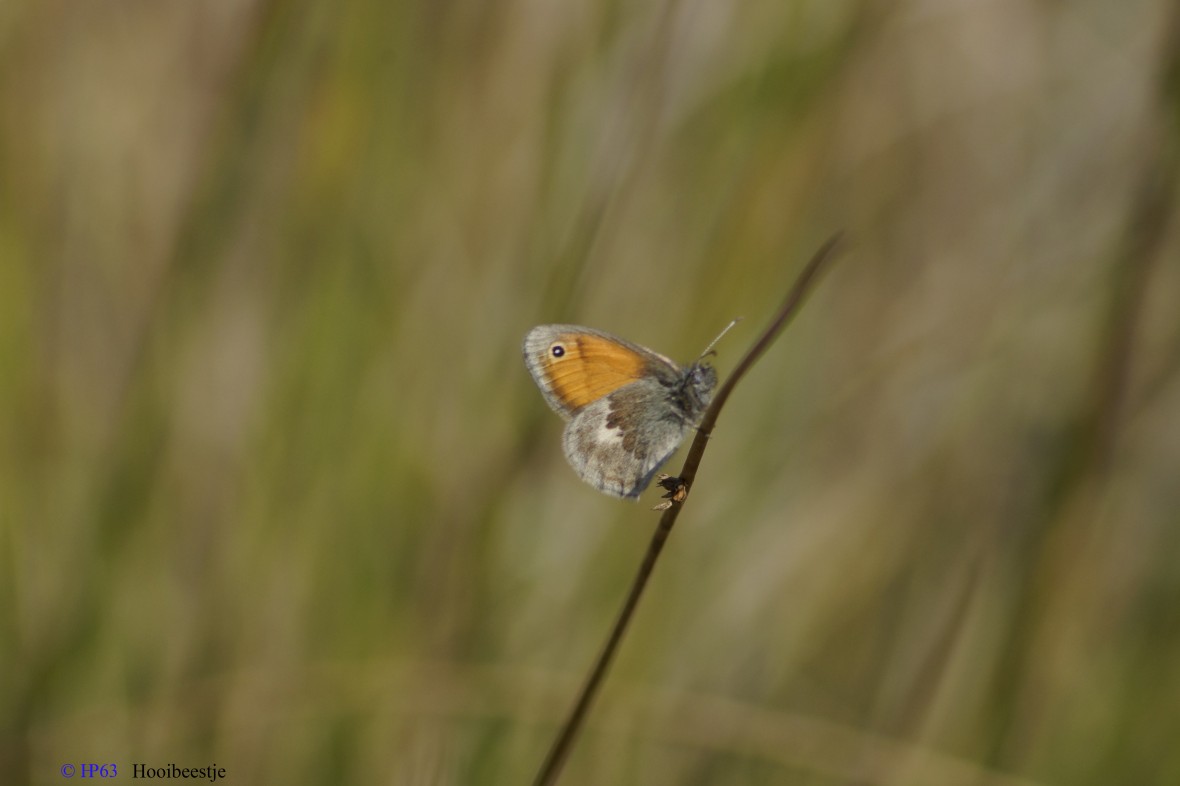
676, 488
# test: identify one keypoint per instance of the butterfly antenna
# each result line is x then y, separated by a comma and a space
709, 349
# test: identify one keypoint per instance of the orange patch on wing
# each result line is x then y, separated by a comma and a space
592, 367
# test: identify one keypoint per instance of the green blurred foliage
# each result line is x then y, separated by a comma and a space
276, 490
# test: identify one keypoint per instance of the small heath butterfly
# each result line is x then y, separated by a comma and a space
628, 408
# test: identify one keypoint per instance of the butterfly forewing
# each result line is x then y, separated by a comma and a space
575, 366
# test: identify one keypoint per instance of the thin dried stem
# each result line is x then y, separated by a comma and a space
551, 768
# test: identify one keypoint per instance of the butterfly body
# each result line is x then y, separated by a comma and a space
628, 408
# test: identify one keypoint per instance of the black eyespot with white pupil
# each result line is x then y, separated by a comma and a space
557, 350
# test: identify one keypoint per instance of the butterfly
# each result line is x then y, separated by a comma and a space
628, 408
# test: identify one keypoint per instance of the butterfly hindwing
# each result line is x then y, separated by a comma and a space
614, 443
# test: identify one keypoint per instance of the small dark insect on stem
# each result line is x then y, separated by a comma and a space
551, 768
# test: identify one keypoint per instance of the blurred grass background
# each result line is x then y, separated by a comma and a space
278, 493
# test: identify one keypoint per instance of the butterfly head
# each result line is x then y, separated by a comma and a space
696, 390
696, 387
